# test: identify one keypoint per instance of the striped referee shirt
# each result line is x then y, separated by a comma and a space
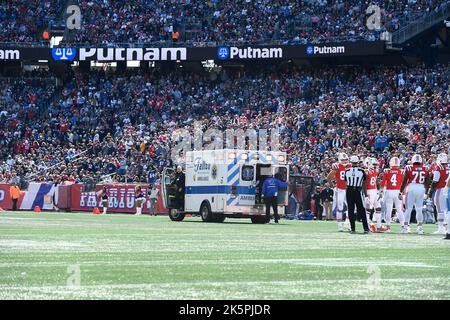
355, 177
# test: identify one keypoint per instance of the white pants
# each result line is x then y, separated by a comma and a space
338, 202
391, 199
338, 199
440, 200
372, 201
414, 198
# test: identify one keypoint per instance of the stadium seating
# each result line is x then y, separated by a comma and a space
199, 22
101, 124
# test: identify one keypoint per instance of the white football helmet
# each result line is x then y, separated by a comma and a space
442, 158
368, 162
417, 158
354, 159
394, 162
343, 158
375, 163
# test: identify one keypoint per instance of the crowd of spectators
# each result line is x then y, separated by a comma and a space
105, 126
198, 22
24, 20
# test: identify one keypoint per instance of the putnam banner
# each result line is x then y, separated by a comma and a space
220, 53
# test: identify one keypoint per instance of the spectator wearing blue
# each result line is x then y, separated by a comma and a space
381, 142
270, 190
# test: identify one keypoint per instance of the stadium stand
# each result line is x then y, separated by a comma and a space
102, 123
199, 22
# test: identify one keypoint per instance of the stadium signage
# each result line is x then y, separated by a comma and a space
320, 50
9, 55
132, 54
223, 53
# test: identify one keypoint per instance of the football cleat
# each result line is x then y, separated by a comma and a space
372, 228
440, 230
381, 229
447, 237
404, 230
340, 227
388, 229
420, 230
347, 226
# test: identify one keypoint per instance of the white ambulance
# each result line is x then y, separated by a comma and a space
226, 183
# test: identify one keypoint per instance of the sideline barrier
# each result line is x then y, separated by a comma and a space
38, 194
121, 198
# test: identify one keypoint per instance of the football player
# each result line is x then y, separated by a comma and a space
390, 182
447, 237
417, 179
373, 205
440, 172
337, 173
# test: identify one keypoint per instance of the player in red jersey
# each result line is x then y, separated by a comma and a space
390, 182
417, 179
337, 173
373, 205
447, 237
441, 172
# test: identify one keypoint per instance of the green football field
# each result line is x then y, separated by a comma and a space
84, 256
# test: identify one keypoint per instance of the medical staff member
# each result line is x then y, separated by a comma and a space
270, 193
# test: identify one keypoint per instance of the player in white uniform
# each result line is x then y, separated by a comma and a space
417, 179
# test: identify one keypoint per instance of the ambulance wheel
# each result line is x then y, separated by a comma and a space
205, 212
260, 219
176, 215
219, 218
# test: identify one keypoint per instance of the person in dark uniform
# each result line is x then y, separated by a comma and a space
355, 193
270, 193
179, 182
139, 200
317, 203
326, 197
105, 198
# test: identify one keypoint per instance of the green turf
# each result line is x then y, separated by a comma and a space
128, 257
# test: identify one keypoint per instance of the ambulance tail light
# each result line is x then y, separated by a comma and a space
281, 158
232, 155
269, 157
244, 156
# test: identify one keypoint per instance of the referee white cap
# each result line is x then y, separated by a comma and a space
354, 159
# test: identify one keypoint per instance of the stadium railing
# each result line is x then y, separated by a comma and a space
169, 43
417, 26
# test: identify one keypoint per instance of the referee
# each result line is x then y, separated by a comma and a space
356, 189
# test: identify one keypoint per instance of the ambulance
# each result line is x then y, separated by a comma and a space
226, 183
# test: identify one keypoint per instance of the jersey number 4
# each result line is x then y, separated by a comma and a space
394, 180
